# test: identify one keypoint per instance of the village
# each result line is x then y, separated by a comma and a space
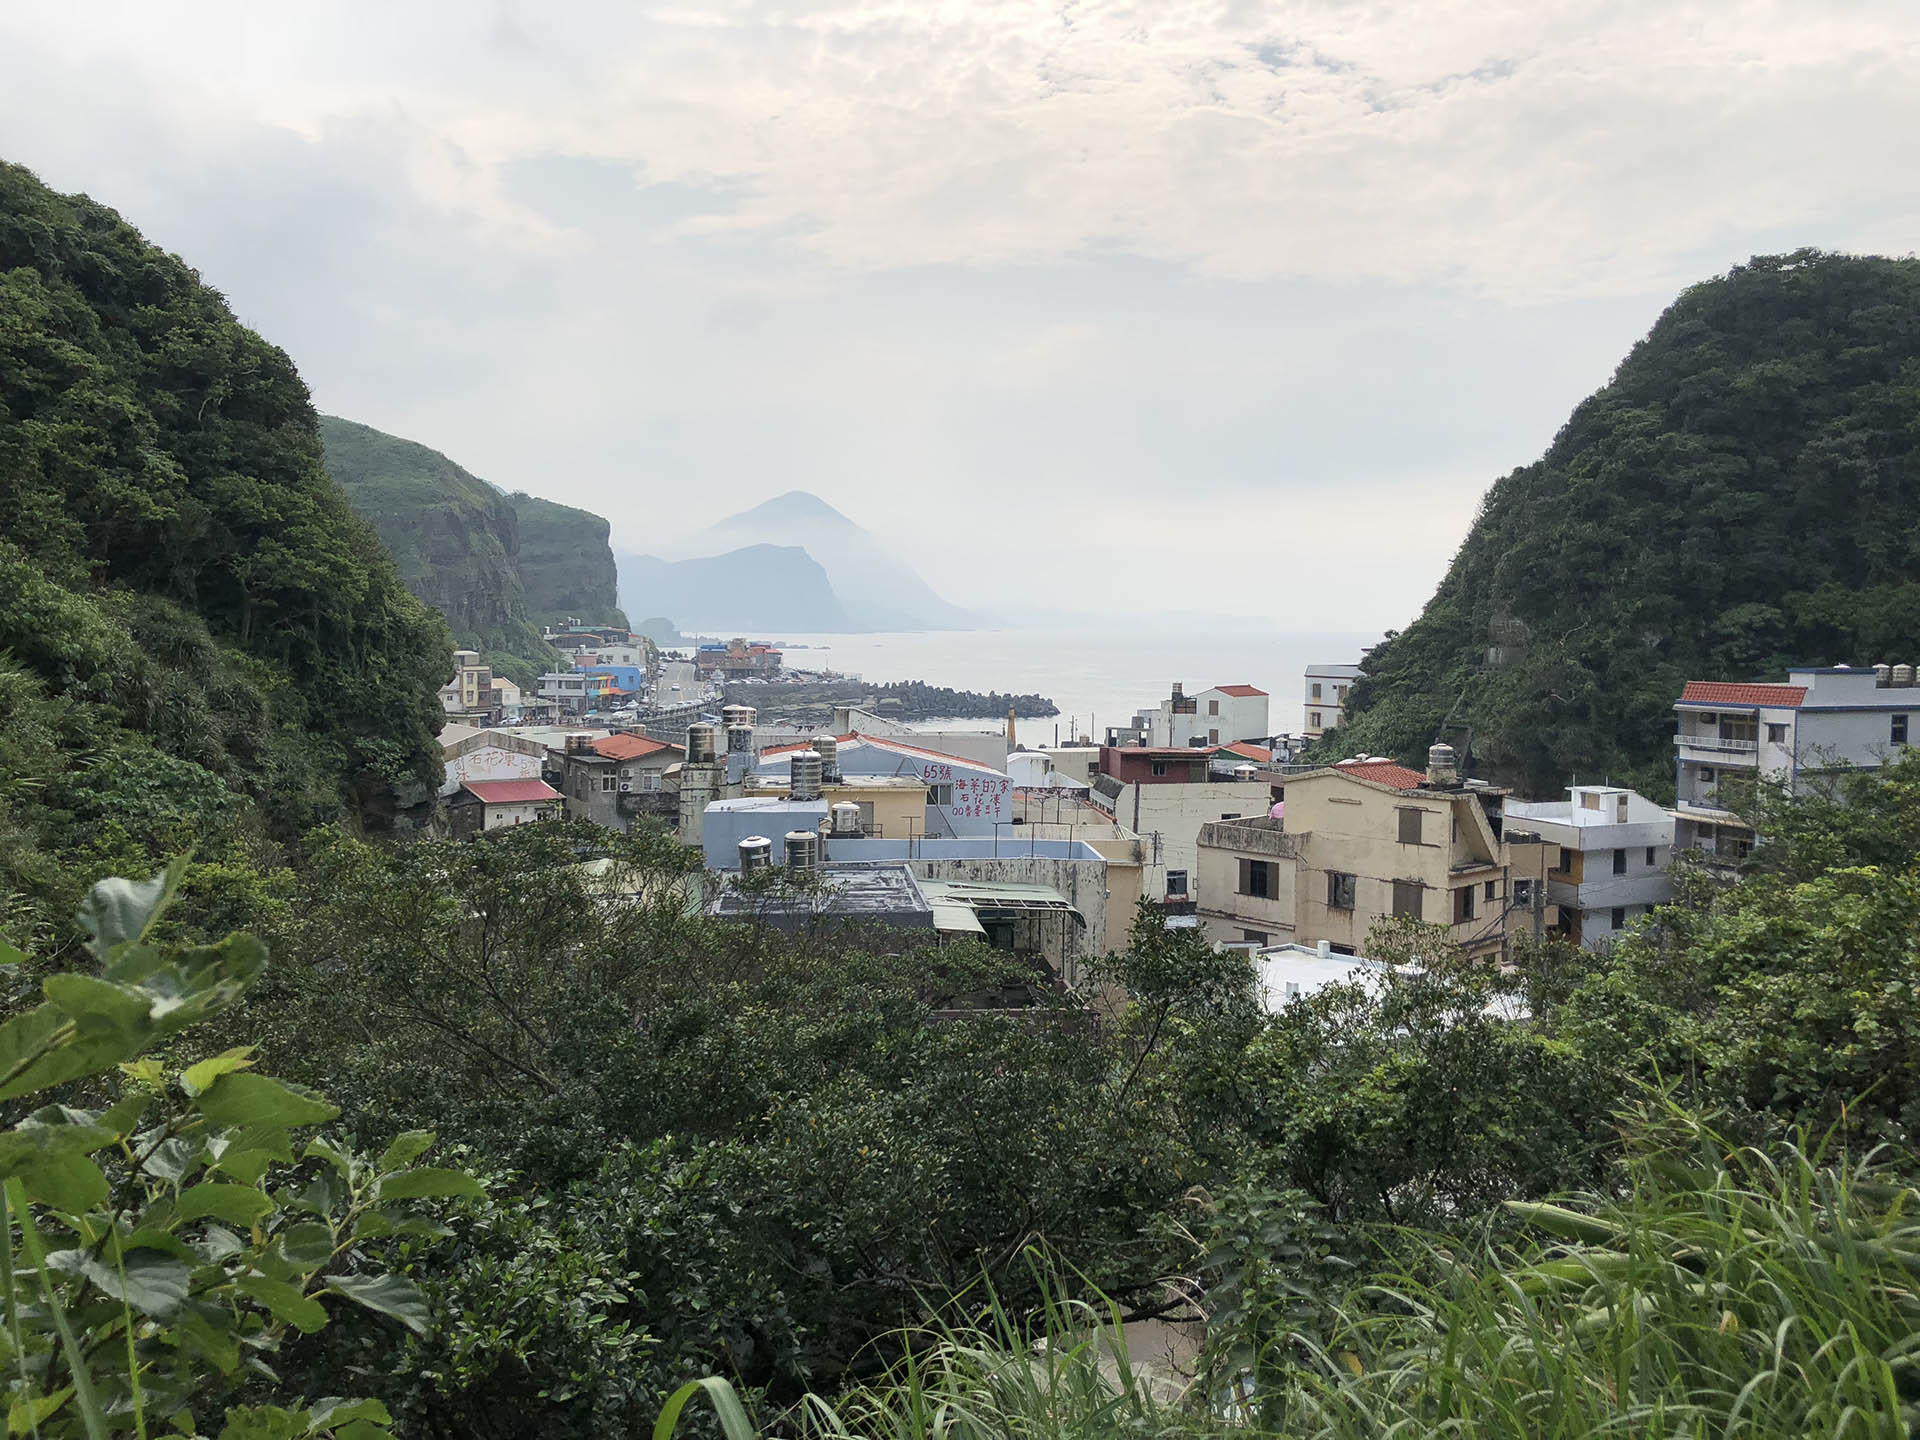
1199, 806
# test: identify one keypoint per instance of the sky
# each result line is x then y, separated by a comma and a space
1222, 307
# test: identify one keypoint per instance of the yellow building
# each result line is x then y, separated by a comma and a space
892, 807
1363, 840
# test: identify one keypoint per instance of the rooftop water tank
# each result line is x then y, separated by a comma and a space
1902, 676
700, 742
739, 739
828, 749
846, 818
756, 854
803, 849
804, 772
732, 715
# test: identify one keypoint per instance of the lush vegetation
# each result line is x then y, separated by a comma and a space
900, 700
566, 563
1675, 1197
454, 538
200, 643
1741, 496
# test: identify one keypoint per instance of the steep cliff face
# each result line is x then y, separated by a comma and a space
454, 537
1742, 496
566, 563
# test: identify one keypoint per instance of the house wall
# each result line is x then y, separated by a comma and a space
1224, 910
504, 817
1167, 818
492, 757
898, 811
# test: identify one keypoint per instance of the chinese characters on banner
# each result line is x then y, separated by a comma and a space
975, 797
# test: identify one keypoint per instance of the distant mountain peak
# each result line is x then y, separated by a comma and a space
794, 507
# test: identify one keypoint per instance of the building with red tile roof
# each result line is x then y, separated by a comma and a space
1721, 692
481, 806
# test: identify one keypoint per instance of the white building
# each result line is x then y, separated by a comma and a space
1615, 850
1218, 716
471, 753
964, 797
1820, 721
1326, 697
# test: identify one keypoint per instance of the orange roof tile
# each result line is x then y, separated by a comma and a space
1242, 691
1383, 772
511, 792
1248, 752
630, 747
1721, 692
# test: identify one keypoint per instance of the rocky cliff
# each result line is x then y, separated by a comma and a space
566, 564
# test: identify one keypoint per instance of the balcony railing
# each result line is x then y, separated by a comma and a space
1718, 744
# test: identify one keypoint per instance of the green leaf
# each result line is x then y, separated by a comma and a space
286, 1303
65, 1181
209, 1330
1567, 1224
331, 1413
26, 1412
386, 1294
407, 1147
235, 1204
173, 1160
263, 1422
726, 1404
118, 912
54, 1130
244, 1098
428, 1181
196, 1078
307, 1246
153, 1283
318, 1149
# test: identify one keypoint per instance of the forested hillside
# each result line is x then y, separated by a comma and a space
1744, 494
195, 628
566, 563
455, 538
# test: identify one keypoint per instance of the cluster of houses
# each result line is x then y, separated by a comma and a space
1195, 807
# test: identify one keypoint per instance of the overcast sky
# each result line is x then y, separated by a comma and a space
1218, 306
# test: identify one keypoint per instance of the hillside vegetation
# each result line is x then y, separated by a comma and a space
455, 539
566, 563
192, 620
1744, 494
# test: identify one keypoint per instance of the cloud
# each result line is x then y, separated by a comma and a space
1194, 284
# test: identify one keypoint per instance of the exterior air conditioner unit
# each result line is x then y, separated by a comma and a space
625, 786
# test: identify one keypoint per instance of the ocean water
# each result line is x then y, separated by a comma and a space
1096, 677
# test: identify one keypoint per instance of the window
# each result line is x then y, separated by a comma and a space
1341, 949
1619, 862
650, 780
1293, 990
1213, 707
1340, 888
1176, 882
1316, 694
1706, 774
1493, 889
1314, 720
1589, 802
1899, 729
1406, 898
1523, 893
1776, 734
1463, 904
1159, 767
1410, 818
1260, 879
1253, 937
606, 782
1619, 917
1565, 867
940, 795
1213, 737
1650, 859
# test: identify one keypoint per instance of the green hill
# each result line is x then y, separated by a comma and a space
566, 563
455, 539
496, 566
192, 620
1744, 494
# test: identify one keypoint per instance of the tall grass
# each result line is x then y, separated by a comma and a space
1727, 1292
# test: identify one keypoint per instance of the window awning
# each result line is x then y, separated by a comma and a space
997, 901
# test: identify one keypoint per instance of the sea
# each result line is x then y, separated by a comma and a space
1098, 677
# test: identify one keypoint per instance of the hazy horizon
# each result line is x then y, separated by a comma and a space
1070, 306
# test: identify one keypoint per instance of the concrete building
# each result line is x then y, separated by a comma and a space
1164, 795
1609, 856
982, 747
576, 691
611, 780
471, 753
1366, 839
476, 694
1038, 770
1732, 734
1216, 716
1326, 697
482, 806
963, 797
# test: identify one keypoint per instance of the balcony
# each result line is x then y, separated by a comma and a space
1718, 746
1706, 802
